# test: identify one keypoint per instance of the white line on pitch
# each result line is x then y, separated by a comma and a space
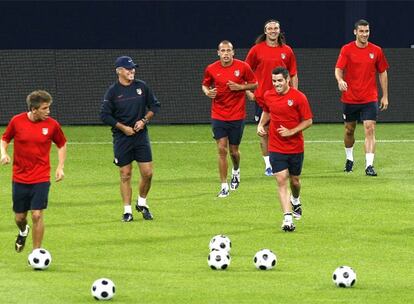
246, 142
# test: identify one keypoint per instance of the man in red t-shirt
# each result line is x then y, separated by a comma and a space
356, 68
33, 133
270, 51
289, 114
225, 82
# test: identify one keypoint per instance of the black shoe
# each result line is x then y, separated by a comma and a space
348, 165
235, 182
127, 217
297, 211
370, 171
21, 241
146, 214
288, 226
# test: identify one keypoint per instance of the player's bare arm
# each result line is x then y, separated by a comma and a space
5, 158
383, 79
264, 120
284, 132
59, 175
240, 86
209, 92
339, 75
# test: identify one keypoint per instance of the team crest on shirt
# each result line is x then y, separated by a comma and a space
139, 91
283, 55
45, 131
237, 73
371, 55
290, 102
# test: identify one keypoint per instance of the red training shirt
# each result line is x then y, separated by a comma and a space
263, 58
228, 105
360, 66
32, 142
287, 110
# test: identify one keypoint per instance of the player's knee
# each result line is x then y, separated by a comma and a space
295, 182
36, 217
369, 129
20, 217
349, 131
234, 153
222, 151
125, 177
147, 175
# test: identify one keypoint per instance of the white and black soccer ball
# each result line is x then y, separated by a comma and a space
103, 289
265, 259
344, 276
220, 242
39, 259
219, 259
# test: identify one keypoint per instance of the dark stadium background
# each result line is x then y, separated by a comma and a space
68, 48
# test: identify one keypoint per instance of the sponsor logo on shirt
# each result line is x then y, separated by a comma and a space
283, 55
139, 91
237, 73
290, 102
371, 55
45, 131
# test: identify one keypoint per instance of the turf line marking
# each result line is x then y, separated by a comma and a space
245, 142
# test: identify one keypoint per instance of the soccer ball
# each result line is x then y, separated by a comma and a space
220, 242
39, 259
265, 259
344, 276
218, 259
103, 289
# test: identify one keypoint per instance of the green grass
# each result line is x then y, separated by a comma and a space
349, 219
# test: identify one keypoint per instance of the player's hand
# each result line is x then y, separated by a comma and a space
5, 159
342, 85
384, 103
234, 86
128, 131
59, 175
139, 125
261, 131
250, 96
284, 132
212, 93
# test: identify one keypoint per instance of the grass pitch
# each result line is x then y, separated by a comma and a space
349, 219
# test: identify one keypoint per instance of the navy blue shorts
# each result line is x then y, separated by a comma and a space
130, 148
232, 129
360, 112
30, 196
292, 162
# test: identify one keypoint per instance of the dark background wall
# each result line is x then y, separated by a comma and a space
196, 24
78, 79
68, 48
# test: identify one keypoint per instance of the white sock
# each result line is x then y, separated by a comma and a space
369, 158
225, 186
349, 153
142, 201
288, 217
235, 172
25, 232
267, 161
295, 200
127, 209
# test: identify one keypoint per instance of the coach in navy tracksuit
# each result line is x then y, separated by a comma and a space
128, 106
